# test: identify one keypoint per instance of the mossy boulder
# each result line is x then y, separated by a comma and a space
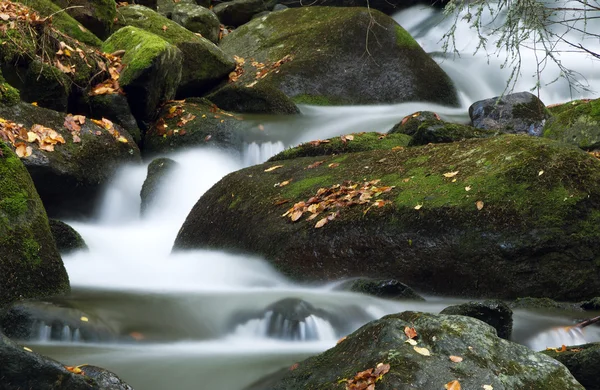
438, 132
486, 358
204, 64
495, 313
70, 179
9, 95
95, 15
152, 72
359, 142
576, 122
165, 7
115, 107
337, 56
258, 99
516, 113
197, 19
195, 122
66, 238
386, 6
63, 21
582, 361
499, 217
541, 304
30, 266
237, 12
158, 169
381, 288
410, 123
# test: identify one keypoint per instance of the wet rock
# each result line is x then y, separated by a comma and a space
493, 225
70, 178
165, 7
259, 99
47, 321
291, 54
237, 12
23, 369
195, 122
487, 359
152, 69
438, 132
386, 6
381, 288
197, 19
494, 313
95, 15
409, 124
330, 147
532, 303
158, 170
66, 238
30, 265
576, 122
116, 108
582, 361
516, 113
592, 304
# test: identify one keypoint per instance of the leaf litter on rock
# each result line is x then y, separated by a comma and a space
366, 380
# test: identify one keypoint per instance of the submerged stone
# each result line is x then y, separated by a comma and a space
67, 239
158, 169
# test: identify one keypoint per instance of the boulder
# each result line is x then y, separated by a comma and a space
165, 7
237, 12
95, 15
30, 265
197, 19
74, 165
350, 143
541, 304
438, 132
24, 369
499, 217
381, 288
592, 304
152, 69
259, 99
66, 238
9, 95
43, 321
158, 169
378, 352
386, 6
516, 113
582, 361
576, 122
195, 122
115, 107
495, 313
337, 56
410, 123
204, 64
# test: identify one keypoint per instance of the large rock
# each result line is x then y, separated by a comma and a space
576, 122
96, 15
152, 69
115, 107
386, 6
336, 56
197, 19
582, 361
497, 217
158, 170
30, 265
492, 312
66, 238
381, 288
516, 113
70, 178
259, 99
204, 64
237, 12
486, 359
24, 369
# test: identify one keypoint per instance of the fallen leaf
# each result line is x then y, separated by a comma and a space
479, 205
334, 165
84, 319
74, 370
23, 151
411, 333
296, 215
315, 164
397, 148
381, 369
28, 349
540, 173
456, 359
321, 222
164, 28
487, 387
468, 188
422, 351
454, 385
122, 139
342, 339
273, 168
450, 174
411, 341
294, 366
418, 207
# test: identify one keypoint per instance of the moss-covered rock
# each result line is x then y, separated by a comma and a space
237, 12
576, 122
63, 21
9, 95
66, 238
386, 6
438, 132
360, 142
259, 99
381, 288
516, 113
510, 214
30, 265
195, 122
336, 56
114, 107
158, 169
495, 313
582, 361
487, 359
70, 178
152, 72
410, 123
165, 7
197, 19
95, 15
204, 64
541, 304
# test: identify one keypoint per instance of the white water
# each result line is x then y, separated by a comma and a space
202, 315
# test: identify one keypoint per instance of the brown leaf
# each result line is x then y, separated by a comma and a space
456, 359
454, 385
23, 150
74, 370
273, 168
450, 174
296, 215
479, 204
381, 369
334, 165
422, 351
321, 223
315, 164
411, 333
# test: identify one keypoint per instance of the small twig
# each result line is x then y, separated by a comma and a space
587, 322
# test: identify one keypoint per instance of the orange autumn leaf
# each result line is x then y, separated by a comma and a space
454, 385
456, 359
411, 333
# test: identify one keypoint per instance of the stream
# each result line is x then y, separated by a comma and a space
202, 319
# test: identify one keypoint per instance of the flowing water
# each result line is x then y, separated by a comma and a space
215, 320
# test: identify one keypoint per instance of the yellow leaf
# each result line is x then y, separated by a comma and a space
479, 205
122, 139
321, 223
28, 349
540, 173
397, 148
454, 385
32, 137
487, 387
296, 215
468, 188
456, 359
273, 168
23, 151
350, 137
450, 174
34, 104
84, 319
74, 370
422, 351
418, 207
333, 165
411, 341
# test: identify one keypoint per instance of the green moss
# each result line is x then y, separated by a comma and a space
236, 201
314, 100
404, 39
31, 251
295, 188
578, 124
9, 96
15, 205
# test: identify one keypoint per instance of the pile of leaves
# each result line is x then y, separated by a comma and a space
365, 380
331, 200
20, 137
74, 122
261, 69
177, 111
113, 66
